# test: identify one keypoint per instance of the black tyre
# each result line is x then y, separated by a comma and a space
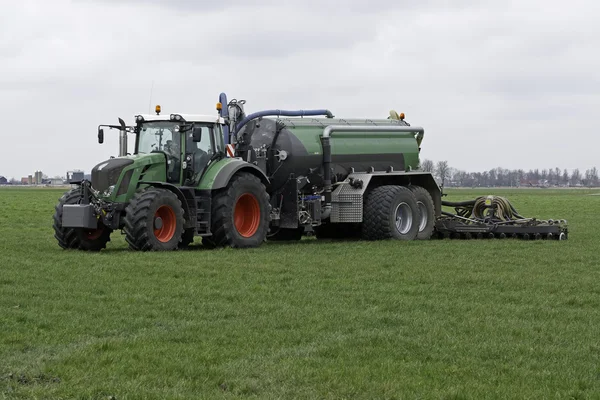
390, 212
240, 213
78, 238
283, 234
426, 212
187, 238
342, 230
154, 220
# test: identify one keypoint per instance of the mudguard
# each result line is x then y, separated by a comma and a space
419, 178
189, 222
221, 173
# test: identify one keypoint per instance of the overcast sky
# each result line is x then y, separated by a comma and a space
494, 83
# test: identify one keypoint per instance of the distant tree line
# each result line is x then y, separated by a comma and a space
448, 176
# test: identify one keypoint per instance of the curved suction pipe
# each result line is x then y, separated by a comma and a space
287, 113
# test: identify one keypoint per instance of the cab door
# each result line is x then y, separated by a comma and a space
198, 154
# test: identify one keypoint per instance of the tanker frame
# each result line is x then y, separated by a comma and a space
343, 178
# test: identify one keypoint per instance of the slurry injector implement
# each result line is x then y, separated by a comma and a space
494, 217
237, 180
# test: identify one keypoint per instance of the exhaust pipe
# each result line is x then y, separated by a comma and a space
122, 138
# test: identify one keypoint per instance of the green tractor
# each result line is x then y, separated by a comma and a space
177, 184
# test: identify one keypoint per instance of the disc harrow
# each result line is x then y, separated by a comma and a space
489, 217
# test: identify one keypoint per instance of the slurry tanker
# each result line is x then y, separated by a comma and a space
238, 180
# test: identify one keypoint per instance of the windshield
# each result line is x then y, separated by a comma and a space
158, 136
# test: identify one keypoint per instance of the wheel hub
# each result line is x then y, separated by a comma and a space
246, 215
165, 223
403, 217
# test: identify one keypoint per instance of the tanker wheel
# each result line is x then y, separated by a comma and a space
78, 238
287, 234
240, 213
154, 220
426, 212
390, 212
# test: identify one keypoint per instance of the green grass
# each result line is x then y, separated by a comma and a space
330, 320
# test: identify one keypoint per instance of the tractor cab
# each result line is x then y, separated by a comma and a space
175, 149
188, 142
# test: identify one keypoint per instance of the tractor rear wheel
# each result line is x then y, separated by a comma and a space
240, 213
78, 238
154, 220
426, 212
390, 212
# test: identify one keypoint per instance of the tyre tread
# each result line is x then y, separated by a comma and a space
421, 191
70, 238
136, 215
222, 226
377, 209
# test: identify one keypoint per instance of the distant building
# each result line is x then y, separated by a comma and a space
29, 180
26, 180
3, 180
38, 178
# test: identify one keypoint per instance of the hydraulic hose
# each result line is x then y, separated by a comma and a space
494, 208
287, 113
458, 203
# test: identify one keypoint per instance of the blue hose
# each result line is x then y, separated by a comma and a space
298, 113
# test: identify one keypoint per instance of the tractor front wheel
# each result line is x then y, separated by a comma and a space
240, 213
154, 220
78, 238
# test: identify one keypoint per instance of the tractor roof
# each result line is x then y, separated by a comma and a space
187, 117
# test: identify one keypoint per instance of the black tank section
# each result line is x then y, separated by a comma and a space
276, 137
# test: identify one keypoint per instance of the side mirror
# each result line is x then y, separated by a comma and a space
197, 134
100, 135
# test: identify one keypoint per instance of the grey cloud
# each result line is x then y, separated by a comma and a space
329, 7
540, 85
466, 71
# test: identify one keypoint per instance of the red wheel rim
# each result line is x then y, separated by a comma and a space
169, 222
246, 215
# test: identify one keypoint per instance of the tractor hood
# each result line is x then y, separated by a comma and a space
113, 177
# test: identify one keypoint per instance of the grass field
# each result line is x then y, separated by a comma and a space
328, 320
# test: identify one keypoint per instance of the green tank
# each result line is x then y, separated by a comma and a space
296, 146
